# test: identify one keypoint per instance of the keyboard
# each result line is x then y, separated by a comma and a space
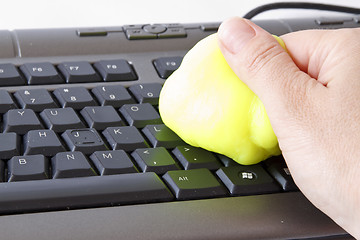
84, 153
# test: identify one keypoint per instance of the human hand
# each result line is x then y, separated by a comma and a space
312, 97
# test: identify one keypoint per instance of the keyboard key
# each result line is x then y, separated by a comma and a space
194, 184
2, 171
176, 32
40, 73
76, 97
21, 121
140, 115
226, 161
165, 66
61, 119
71, 164
6, 102
32, 167
35, 99
115, 70
94, 191
86, 140
247, 180
137, 34
192, 157
127, 138
115, 96
113, 162
78, 72
9, 76
101, 117
147, 93
154, 28
44, 142
9, 145
161, 136
278, 169
156, 160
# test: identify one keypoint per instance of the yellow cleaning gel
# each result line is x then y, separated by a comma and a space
208, 106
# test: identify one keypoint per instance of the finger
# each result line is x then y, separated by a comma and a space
268, 70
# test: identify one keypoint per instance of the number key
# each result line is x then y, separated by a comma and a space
76, 97
115, 96
147, 93
35, 99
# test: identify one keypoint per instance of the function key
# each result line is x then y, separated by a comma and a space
165, 66
147, 93
78, 72
40, 73
6, 102
115, 70
9, 75
35, 99
115, 96
77, 97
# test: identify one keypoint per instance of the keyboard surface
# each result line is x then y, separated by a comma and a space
82, 144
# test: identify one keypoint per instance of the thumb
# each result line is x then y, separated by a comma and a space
266, 68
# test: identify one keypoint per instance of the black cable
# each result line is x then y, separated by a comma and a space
300, 5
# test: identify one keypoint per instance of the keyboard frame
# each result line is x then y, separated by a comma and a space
270, 216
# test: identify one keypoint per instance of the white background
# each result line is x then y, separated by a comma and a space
19, 14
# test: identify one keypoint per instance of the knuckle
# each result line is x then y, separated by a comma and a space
259, 58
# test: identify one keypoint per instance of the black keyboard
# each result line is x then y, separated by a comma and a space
82, 141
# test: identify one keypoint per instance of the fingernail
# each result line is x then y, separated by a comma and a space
235, 33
